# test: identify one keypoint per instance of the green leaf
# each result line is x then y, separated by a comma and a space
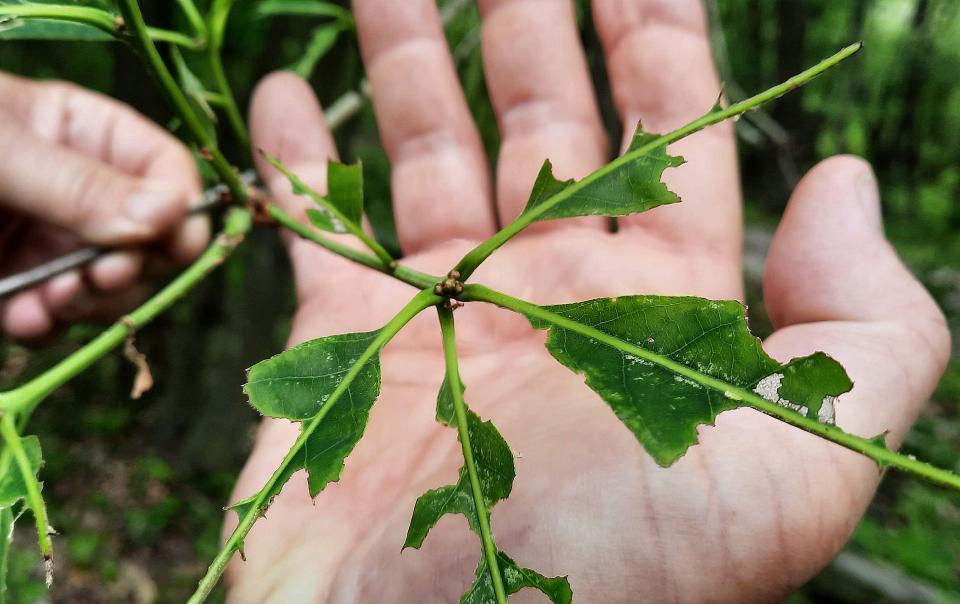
628, 187
515, 578
345, 189
341, 209
297, 384
321, 41
495, 470
7, 520
195, 92
435, 504
699, 349
12, 486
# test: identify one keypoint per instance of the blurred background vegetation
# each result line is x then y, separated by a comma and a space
136, 487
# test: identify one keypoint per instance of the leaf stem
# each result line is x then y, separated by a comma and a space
8, 430
872, 448
218, 18
448, 331
94, 17
24, 398
174, 37
353, 228
423, 300
193, 16
149, 53
476, 256
407, 275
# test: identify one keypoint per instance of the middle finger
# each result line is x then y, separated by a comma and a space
441, 186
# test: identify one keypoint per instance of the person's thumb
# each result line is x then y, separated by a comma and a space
97, 202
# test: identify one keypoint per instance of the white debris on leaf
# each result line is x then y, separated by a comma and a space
769, 388
827, 415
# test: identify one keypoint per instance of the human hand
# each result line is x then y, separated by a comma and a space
749, 514
79, 169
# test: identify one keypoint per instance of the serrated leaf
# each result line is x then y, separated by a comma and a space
515, 578
495, 470
297, 384
696, 345
434, 505
12, 486
344, 201
322, 39
628, 187
810, 382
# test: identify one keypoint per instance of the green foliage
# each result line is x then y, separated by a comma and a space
298, 384
12, 486
515, 578
664, 365
79, 21
195, 92
628, 185
495, 470
700, 354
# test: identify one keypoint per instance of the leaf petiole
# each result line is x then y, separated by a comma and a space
449, 335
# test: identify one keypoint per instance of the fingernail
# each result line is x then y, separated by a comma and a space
868, 194
155, 204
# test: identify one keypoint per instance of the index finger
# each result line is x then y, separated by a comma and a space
101, 128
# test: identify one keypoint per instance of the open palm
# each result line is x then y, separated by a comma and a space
747, 515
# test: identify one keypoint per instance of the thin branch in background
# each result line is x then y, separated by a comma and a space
756, 125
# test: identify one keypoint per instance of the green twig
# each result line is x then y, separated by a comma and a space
872, 448
476, 256
174, 37
93, 17
194, 18
407, 275
425, 299
219, 13
27, 396
353, 228
448, 332
8, 429
149, 53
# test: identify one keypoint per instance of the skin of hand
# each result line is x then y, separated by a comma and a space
81, 169
749, 514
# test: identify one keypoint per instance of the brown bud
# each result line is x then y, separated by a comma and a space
438, 289
454, 274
